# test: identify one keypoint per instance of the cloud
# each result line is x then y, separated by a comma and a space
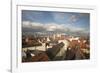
73, 18
47, 27
54, 27
66, 18
58, 16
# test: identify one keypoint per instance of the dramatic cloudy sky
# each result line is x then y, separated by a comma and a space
66, 22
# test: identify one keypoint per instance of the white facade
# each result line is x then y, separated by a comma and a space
62, 54
66, 43
41, 48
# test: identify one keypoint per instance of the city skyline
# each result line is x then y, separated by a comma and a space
55, 36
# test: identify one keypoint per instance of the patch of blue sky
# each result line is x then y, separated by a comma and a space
66, 18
